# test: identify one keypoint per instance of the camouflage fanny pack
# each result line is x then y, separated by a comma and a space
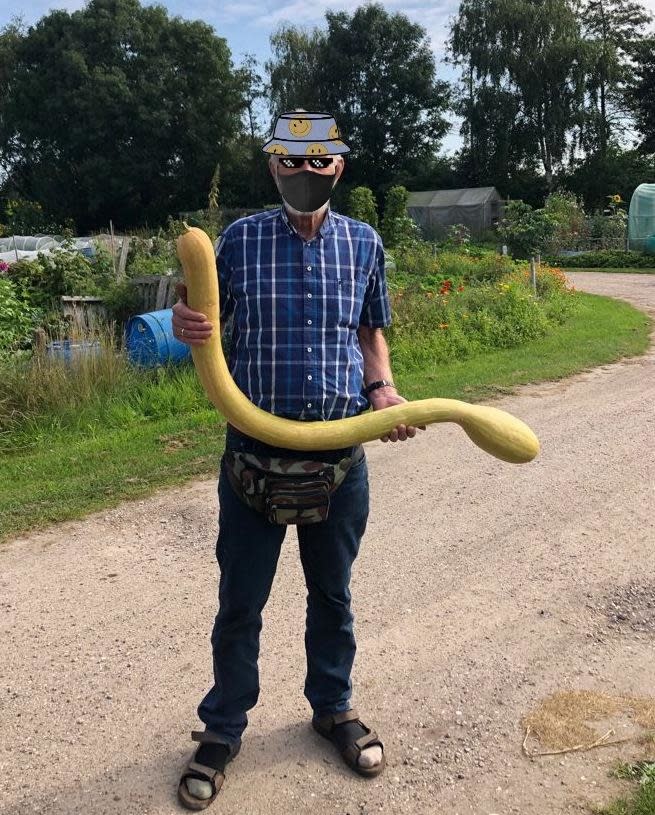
287, 491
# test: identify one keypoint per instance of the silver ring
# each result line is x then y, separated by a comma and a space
181, 332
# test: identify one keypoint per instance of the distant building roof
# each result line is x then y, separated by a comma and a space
453, 198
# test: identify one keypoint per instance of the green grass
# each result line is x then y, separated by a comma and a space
610, 270
57, 469
602, 330
642, 802
71, 474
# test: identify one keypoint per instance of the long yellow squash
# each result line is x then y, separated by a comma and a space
495, 431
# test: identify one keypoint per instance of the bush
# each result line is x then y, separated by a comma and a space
526, 231
569, 221
362, 206
488, 304
606, 259
43, 281
398, 229
17, 318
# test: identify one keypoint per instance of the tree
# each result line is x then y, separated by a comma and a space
362, 206
295, 68
612, 29
532, 50
375, 72
643, 94
117, 111
384, 92
618, 172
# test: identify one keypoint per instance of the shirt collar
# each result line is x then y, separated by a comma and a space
327, 227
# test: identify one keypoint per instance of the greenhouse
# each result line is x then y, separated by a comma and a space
641, 219
477, 208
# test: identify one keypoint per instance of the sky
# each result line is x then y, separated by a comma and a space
247, 24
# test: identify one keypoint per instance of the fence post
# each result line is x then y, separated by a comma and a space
533, 273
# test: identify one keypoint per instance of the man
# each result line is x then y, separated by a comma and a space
307, 293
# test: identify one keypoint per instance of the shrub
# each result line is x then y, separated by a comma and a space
17, 317
398, 229
64, 272
608, 231
606, 259
362, 206
569, 221
467, 305
526, 231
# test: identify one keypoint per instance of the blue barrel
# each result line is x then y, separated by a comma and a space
150, 342
71, 350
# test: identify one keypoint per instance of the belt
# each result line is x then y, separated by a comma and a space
237, 441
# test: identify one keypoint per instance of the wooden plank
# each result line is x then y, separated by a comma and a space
162, 291
122, 260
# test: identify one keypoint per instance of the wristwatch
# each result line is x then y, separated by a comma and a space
381, 383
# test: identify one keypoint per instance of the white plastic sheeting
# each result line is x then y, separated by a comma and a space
27, 247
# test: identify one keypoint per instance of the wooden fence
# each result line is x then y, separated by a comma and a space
156, 292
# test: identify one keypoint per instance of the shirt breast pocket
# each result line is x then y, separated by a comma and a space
346, 298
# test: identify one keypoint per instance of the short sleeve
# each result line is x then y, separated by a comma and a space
376, 312
224, 271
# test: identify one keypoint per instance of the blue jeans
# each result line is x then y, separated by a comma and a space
247, 550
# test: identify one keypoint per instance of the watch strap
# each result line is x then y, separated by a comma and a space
380, 383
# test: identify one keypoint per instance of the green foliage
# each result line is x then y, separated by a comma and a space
375, 72
608, 231
643, 800
17, 317
595, 175
451, 305
606, 259
362, 206
23, 217
568, 221
43, 281
643, 93
151, 102
398, 228
122, 301
526, 231
533, 52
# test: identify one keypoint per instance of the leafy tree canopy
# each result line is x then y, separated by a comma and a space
115, 111
375, 72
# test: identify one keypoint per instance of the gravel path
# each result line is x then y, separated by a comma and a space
481, 588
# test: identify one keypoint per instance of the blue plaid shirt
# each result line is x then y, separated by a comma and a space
297, 306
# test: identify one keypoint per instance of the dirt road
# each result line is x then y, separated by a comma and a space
481, 588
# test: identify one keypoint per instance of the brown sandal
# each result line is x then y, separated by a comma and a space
350, 736
212, 775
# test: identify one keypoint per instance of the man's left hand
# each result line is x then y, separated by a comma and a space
386, 397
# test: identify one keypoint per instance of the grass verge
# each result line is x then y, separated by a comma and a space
609, 270
63, 473
602, 330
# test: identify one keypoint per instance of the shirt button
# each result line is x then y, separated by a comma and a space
309, 294
309, 376
309, 322
309, 350
309, 268
309, 404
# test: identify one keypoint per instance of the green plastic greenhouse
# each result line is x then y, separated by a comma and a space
641, 219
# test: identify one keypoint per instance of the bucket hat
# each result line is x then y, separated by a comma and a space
305, 133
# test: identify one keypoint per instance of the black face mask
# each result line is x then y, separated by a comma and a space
306, 191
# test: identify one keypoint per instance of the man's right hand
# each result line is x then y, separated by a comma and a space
191, 327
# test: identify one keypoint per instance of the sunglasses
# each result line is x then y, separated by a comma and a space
318, 162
